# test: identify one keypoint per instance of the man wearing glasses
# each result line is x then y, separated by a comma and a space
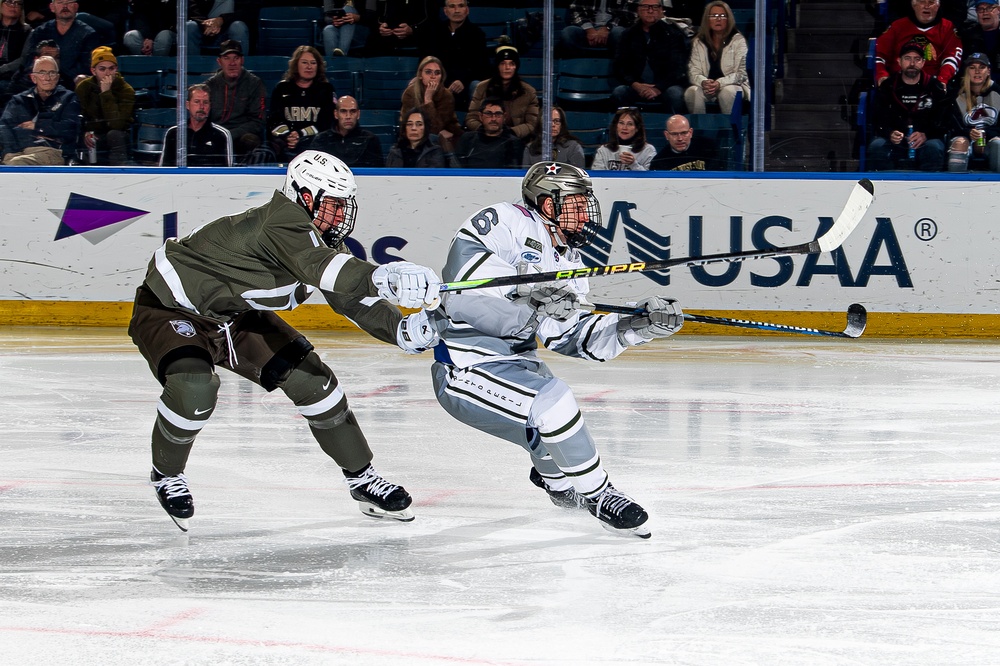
493, 145
652, 62
40, 126
685, 151
983, 36
942, 47
76, 40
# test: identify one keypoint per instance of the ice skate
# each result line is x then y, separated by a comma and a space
618, 513
378, 498
564, 499
174, 496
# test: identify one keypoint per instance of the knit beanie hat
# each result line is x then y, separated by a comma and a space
102, 54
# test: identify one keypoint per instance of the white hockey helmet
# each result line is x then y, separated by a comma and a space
314, 175
557, 180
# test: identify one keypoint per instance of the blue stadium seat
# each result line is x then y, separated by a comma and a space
584, 83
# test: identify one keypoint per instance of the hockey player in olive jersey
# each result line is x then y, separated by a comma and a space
208, 300
487, 374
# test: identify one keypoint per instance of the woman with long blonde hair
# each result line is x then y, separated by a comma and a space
717, 68
971, 123
428, 93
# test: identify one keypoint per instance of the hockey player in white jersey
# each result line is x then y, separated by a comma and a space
486, 371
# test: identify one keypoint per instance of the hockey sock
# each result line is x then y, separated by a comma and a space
314, 389
189, 396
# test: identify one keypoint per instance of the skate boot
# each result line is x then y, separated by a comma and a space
618, 513
174, 496
377, 497
564, 499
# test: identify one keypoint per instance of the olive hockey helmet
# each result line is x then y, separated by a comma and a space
325, 187
558, 181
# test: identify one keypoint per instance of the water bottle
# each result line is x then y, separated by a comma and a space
911, 153
92, 150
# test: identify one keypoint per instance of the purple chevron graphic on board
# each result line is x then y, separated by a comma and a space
94, 219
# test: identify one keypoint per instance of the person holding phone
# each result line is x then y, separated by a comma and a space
399, 23
339, 31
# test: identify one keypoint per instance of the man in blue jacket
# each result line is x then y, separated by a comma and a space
40, 126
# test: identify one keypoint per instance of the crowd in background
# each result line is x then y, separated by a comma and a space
467, 103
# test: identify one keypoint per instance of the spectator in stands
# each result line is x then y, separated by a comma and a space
983, 35
355, 146
208, 144
685, 151
13, 35
399, 25
595, 24
75, 39
972, 128
21, 80
652, 61
41, 126
627, 150
106, 17
154, 28
717, 68
566, 148
908, 119
37, 12
460, 44
519, 99
428, 93
214, 23
107, 101
238, 99
415, 148
937, 36
339, 31
301, 105
493, 145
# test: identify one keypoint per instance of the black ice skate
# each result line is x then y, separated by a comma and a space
377, 497
564, 499
618, 513
174, 496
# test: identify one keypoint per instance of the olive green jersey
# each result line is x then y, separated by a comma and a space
267, 258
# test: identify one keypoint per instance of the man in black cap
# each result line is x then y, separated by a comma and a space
908, 117
238, 99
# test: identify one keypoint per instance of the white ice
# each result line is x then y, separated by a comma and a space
812, 502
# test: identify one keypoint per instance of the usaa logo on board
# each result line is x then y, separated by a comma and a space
646, 245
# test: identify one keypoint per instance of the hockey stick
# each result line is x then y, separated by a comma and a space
857, 204
857, 320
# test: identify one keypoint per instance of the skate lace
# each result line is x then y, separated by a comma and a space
377, 486
612, 501
173, 486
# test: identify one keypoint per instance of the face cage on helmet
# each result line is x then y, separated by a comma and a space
585, 235
336, 234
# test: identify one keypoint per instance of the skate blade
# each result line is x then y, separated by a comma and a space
372, 511
182, 523
640, 531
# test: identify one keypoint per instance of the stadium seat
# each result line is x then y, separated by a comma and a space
150, 127
383, 80
584, 84
591, 128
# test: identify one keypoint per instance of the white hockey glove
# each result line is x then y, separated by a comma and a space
408, 285
554, 300
415, 333
662, 317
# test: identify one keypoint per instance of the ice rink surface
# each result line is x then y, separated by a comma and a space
812, 502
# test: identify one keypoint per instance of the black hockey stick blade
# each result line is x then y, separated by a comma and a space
857, 205
857, 320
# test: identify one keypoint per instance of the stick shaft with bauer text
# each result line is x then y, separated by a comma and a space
857, 204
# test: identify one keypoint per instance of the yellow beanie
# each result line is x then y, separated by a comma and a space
102, 54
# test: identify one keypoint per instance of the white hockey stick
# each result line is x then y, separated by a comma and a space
857, 205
